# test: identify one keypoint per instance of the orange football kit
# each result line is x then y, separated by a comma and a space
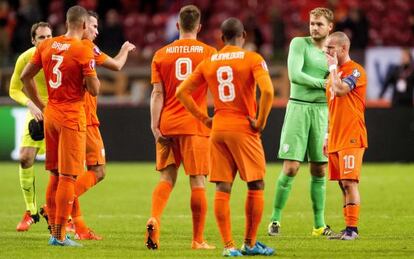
171, 65
65, 63
347, 132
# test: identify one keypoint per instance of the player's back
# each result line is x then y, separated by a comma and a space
170, 66
230, 75
65, 61
346, 113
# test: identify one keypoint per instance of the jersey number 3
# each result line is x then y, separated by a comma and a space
226, 83
56, 71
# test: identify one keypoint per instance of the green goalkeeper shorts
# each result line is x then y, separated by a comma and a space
304, 131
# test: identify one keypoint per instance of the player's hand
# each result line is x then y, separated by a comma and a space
35, 111
253, 124
128, 46
159, 138
332, 60
325, 146
208, 122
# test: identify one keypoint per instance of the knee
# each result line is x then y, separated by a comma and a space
318, 169
256, 185
291, 168
347, 186
99, 172
197, 181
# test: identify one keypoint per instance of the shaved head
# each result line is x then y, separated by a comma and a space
232, 28
341, 39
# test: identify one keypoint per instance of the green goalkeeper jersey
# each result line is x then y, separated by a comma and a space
307, 68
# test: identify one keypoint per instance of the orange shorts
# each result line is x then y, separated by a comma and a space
346, 164
232, 151
95, 150
192, 151
65, 148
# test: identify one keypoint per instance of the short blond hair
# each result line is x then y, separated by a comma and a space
322, 11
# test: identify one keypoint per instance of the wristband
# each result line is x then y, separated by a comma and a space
326, 135
332, 68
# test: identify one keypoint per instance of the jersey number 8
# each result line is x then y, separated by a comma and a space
226, 83
57, 72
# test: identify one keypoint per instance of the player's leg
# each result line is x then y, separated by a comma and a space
351, 163
293, 143
27, 184
248, 154
318, 118
222, 173
318, 197
194, 154
95, 161
167, 162
352, 209
71, 155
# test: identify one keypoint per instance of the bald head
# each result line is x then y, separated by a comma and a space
231, 29
341, 39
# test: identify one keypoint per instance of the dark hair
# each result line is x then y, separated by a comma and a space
232, 28
189, 18
36, 26
93, 14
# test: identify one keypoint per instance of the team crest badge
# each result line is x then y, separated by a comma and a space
96, 51
285, 148
264, 65
92, 64
356, 73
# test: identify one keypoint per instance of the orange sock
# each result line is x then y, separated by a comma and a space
254, 212
222, 213
199, 210
77, 218
65, 196
352, 215
160, 198
344, 212
50, 200
84, 182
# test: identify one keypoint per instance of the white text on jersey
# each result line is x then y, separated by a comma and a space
228, 56
60, 46
185, 49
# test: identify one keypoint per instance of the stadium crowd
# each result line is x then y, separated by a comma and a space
270, 24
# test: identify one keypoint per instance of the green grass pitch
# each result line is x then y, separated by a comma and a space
118, 208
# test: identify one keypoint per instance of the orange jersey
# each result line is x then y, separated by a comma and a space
65, 61
346, 114
170, 66
231, 75
91, 102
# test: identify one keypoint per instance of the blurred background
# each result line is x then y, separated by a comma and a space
381, 32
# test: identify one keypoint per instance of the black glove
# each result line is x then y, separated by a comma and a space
36, 130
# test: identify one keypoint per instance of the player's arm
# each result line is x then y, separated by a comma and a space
266, 100
184, 91
296, 59
35, 104
92, 85
118, 62
16, 85
339, 87
156, 105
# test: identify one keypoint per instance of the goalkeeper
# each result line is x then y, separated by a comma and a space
29, 148
305, 121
